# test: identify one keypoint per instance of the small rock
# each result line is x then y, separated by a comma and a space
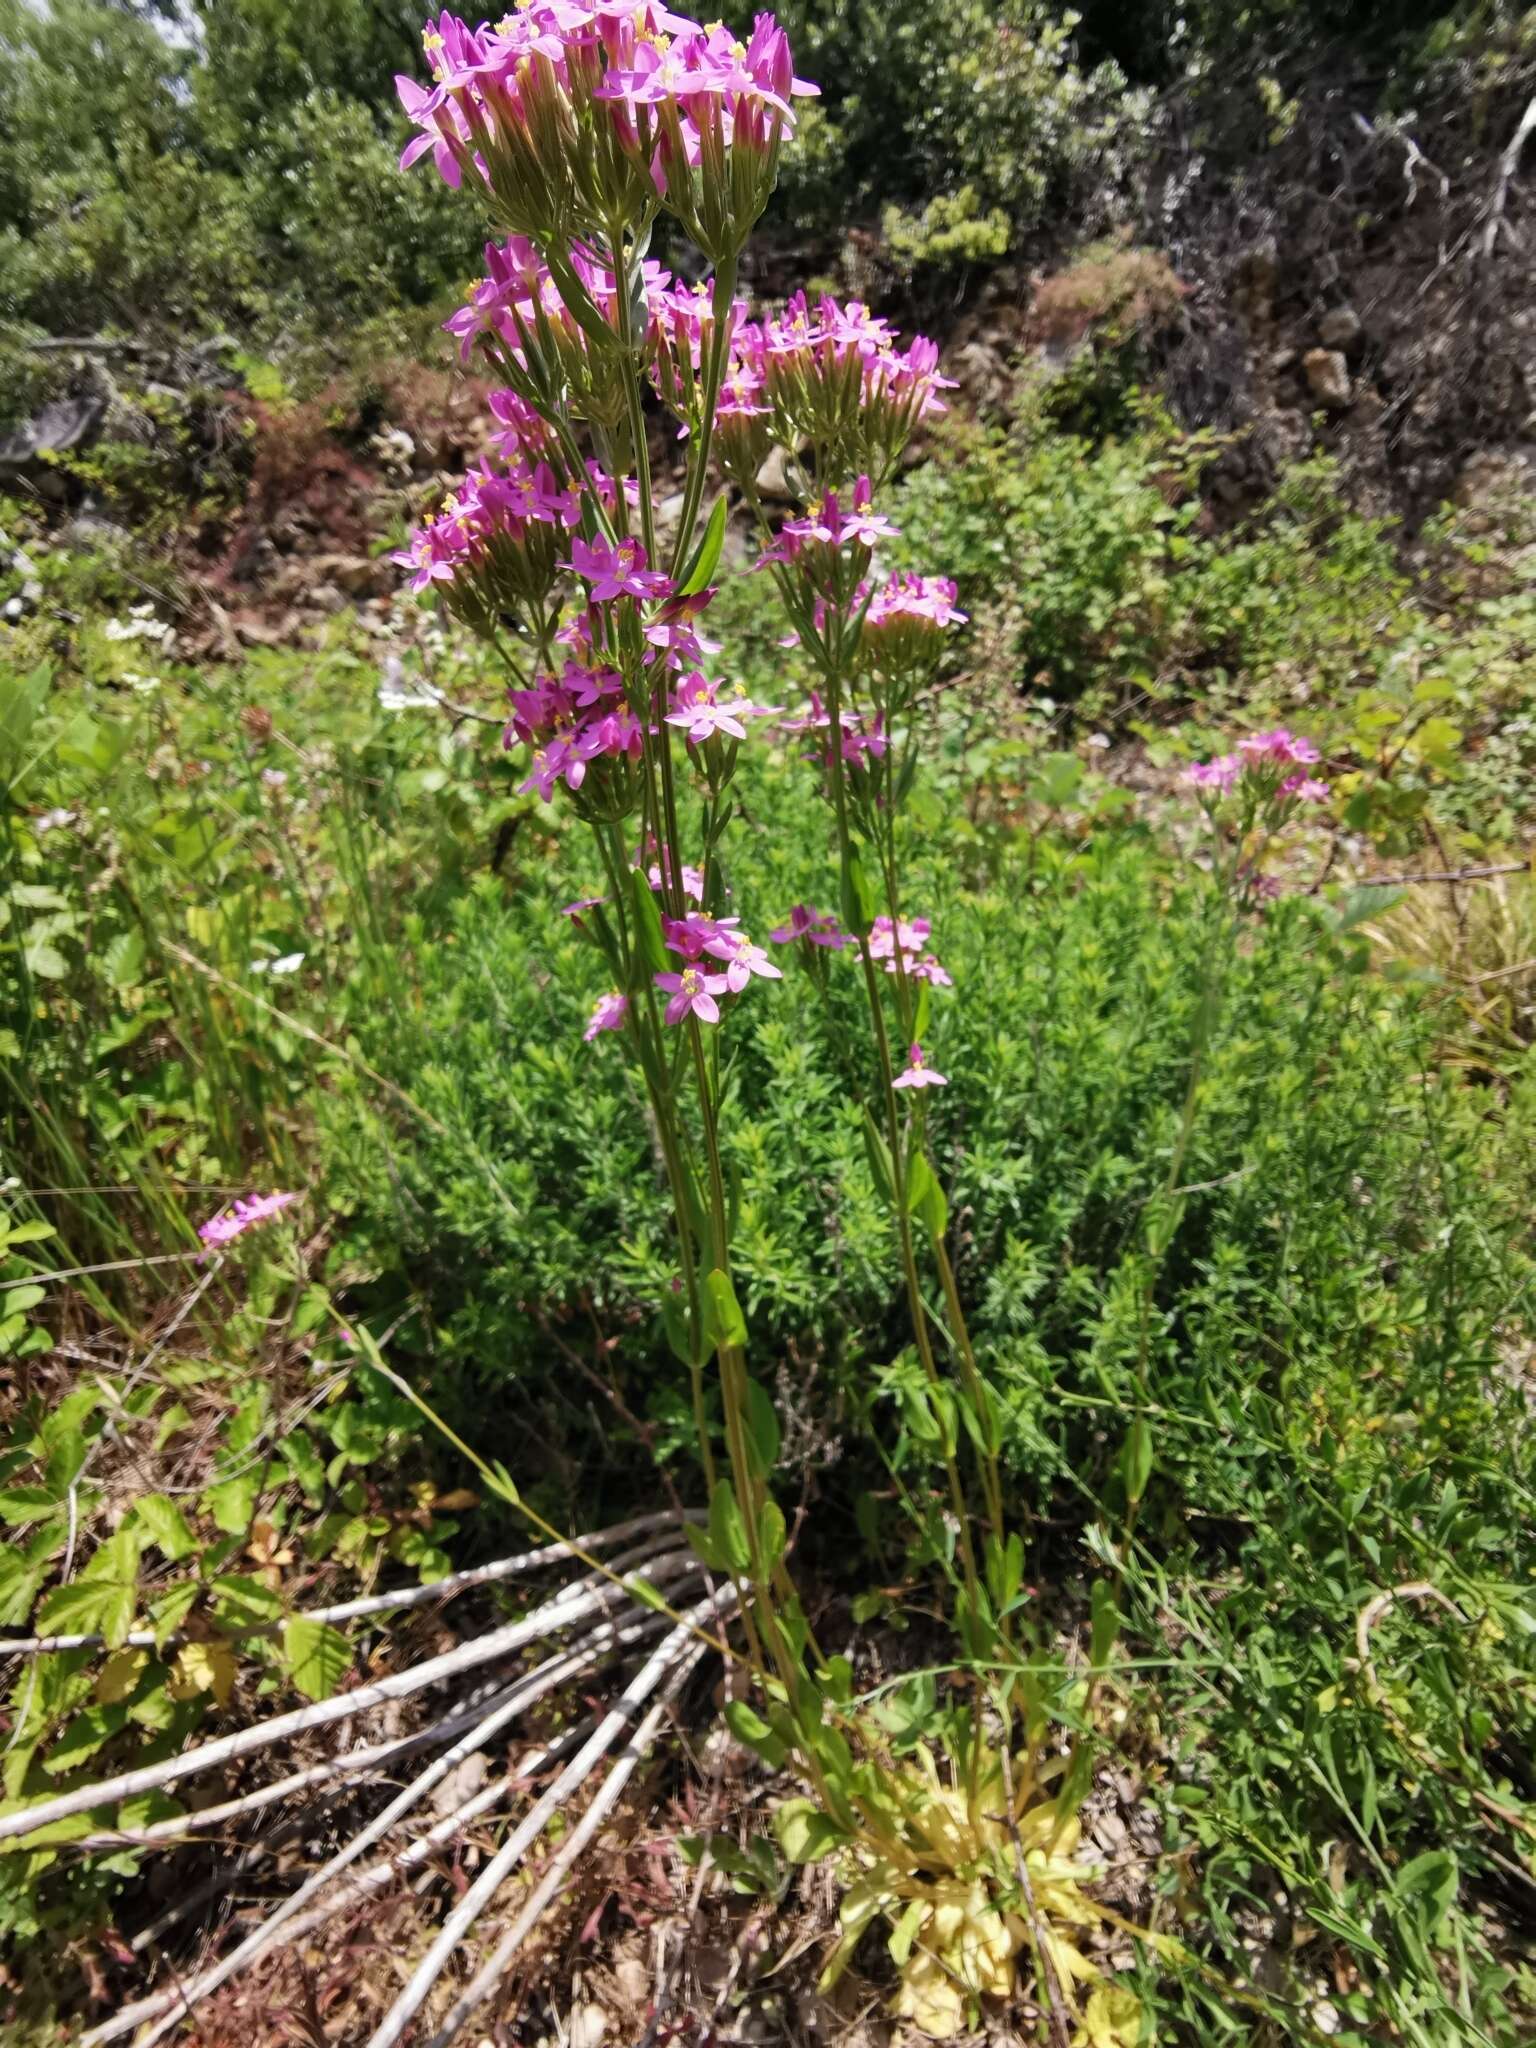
1340, 328
633, 1980
1327, 377
772, 481
587, 2026
461, 1783
1281, 361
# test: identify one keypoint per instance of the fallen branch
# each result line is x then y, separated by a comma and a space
168, 2008
373, 1603
1477, 874
564, 1611
490, 1974
1509, 164
618, 1719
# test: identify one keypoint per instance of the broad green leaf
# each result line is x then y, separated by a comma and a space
762, 1428
165, 1526
315, 1656
727, 1529
805, 1834
724, 1323
651, 955
1136, 1459
748, 1726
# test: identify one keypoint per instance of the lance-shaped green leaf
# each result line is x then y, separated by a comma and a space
706, 556
724, 1324
651, 948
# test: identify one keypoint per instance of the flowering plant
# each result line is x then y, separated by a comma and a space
583, 123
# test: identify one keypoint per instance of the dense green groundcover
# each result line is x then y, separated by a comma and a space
1327, 1342
1329, 1355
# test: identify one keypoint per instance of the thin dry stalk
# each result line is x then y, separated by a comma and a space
651, 1674
376, 1603
490, 1974
564, 1611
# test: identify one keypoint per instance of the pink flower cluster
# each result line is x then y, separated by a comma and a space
833, 374
1272, 765
240, 1217
519, 300
907, 943
817, 927
568, 107
827, 527
697, 940
861, 741
498, 526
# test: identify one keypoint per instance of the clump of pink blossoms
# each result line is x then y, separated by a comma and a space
242, 1216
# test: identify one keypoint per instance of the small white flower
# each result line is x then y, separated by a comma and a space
285, 963
51, 821
275, 778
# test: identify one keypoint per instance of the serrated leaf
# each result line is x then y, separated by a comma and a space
315, 1656
165, 1526
120, 1676
232, 1502
122, 964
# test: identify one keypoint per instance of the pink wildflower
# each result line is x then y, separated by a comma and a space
820, 927
615, 570
742, 958
918, 1074
1218, 775
242, 1216
608, 1014
693, 993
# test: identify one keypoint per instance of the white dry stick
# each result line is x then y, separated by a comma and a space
563, 1611
1509, 164
485, 1979
656, 1668
350, 1763
171, 2006
376, 1603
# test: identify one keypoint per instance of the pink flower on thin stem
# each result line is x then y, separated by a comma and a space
608, 1014
693, 993
615, 570
1218, 775
820, 927
242, 1216
742, 960
918, 1074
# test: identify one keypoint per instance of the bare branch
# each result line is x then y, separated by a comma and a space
490, 1974
619, 1717
564, 1611
379, 1603
1509, 164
